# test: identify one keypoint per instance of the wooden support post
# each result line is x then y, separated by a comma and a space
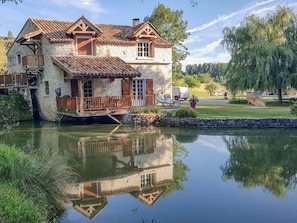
81, 96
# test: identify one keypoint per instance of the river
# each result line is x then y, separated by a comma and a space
148, 174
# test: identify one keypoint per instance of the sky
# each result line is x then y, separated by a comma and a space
206, 20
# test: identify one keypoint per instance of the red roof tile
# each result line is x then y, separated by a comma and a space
89, 66
56, 30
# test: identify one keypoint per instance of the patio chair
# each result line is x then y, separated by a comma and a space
166, 102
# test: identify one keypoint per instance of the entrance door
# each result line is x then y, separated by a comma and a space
138, 89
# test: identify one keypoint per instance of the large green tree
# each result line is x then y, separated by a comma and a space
263, 52
173, 28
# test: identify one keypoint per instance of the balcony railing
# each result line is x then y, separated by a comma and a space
72, 104
13, 80
33, 62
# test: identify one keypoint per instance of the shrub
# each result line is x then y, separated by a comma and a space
16, 207
238, 101
146, 110
42, 175
14, 108
151, 109
293, 108
186, 112
170, 113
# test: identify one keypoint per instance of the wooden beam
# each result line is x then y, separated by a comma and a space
81, 95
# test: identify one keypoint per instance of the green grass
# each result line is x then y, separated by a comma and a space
240, 111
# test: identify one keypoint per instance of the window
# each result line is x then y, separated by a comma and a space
138, 87
46, 87
19, 59
88, 92
146, 180
139, 146
144, 48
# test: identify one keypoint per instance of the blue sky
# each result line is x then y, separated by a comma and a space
205, 21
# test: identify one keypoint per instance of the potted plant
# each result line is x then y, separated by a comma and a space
193, 101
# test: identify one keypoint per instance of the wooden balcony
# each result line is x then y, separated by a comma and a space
13, 80
33, 62
99, 106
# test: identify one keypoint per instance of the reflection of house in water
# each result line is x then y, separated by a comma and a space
139, 164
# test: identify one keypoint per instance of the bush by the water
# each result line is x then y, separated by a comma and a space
145, 110
42, 177
16, 207
185, 112
293, 108
13, 108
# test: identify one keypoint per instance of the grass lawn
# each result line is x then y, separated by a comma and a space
240, 111
273, 110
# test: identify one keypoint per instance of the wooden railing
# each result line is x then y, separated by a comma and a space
13, 80
33, 62
72, 104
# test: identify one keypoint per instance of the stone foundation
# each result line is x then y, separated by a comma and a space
227, 123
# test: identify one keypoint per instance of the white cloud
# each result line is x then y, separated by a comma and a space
213, 142
204, 41
92, 6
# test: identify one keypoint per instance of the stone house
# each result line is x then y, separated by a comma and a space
82, 69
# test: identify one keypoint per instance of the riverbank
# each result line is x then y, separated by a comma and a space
164, 121
226, 123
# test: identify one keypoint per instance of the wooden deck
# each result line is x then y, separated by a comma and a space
101, 106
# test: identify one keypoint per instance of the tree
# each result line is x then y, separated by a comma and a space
211, 87
3, 57
192, 81
173, 29
9, 34
263, 52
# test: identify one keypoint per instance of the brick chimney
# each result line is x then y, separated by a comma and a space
135, 21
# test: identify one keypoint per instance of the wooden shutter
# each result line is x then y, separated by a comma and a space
126, 87
150, 92
84, 46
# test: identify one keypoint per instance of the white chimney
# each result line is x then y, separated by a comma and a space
135, 21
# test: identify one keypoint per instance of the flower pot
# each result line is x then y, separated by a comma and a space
193, 104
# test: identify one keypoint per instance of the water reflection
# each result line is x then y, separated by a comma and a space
140, 164
165, 170
265, 161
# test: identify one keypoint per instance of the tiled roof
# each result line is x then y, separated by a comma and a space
56, 30
90, 66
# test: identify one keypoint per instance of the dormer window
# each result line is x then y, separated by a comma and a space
84, 45
83, 31
145, 48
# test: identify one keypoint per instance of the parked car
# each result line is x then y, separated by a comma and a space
180, 92
218, 93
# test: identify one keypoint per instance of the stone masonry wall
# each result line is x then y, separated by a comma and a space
227, 123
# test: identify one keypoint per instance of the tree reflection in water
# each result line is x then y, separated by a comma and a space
265, 161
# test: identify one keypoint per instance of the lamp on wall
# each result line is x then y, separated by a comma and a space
58, 92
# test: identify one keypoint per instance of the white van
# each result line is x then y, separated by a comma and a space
180, 92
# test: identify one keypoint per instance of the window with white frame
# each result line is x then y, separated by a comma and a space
138, 87
144, 49
139, 146
147, 180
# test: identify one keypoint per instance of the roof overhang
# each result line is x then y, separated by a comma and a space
80, 67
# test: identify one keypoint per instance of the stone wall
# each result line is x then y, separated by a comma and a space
227, 123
